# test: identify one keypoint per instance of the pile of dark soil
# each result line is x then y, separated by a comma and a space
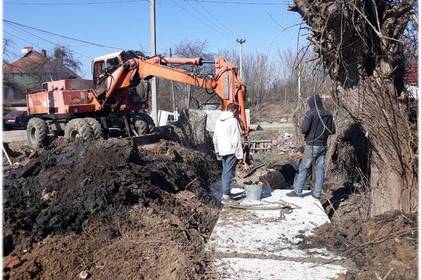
382, 247
105, 210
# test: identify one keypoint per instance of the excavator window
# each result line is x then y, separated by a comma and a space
112, 63
98, 70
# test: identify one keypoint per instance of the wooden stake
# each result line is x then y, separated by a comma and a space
7, 156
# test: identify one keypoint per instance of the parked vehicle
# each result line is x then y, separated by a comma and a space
15, 120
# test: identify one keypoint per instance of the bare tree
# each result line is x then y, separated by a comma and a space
360, 43
188, 48
7, 46
260, 76
63, 59
187, 96
313, 78
410, 38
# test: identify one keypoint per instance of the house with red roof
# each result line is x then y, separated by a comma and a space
29, 71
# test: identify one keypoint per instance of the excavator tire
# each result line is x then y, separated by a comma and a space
143, 123
78, 130
70, 126
37, 133
97, 130
149, 121
141, 126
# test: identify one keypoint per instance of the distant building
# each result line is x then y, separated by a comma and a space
410, 79
29, 71
30, 57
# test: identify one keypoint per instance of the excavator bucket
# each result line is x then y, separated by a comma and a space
145, 139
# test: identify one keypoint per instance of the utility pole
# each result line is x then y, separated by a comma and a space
241, 42
299, 84
297, 112
154, 111
188, 101
172, 91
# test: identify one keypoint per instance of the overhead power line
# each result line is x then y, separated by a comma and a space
61, 36
48, 41
34, 35
213, 17
213, 21
197, 17
70, 3
20, 38
241, 2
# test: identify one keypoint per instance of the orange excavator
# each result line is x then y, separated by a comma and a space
114, 102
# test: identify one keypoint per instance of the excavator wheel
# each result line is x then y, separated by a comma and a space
144, 124
149, 121
97, 130
141, 126
37, 133
78, 130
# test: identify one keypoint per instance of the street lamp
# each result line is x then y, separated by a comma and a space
241, 42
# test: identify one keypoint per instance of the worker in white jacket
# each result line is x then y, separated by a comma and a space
227, 141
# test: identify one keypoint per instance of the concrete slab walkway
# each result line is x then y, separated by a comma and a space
265, 244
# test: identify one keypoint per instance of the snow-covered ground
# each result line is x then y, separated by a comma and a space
265, 244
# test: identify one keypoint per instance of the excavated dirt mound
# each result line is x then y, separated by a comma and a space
383, 247
107, 211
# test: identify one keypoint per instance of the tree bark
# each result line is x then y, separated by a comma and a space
393, 170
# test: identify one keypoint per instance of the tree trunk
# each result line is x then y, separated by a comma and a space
393, 169
360, 44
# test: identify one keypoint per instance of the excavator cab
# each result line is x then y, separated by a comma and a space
110, 62
104, 66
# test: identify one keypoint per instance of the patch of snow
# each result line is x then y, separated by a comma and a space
250, 239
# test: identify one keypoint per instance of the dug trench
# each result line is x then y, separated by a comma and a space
106, 210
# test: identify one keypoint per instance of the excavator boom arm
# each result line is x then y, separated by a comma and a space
148, 70
225, 81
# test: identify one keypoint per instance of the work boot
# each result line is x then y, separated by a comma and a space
227, 198
293, 194
316, 197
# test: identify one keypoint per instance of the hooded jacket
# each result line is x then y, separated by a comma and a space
227, 136
318, 123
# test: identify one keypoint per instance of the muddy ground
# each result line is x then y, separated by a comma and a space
381, 247
107, 211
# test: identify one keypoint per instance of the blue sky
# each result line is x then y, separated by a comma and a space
126, 25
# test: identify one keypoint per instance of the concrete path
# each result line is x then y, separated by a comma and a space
265, 244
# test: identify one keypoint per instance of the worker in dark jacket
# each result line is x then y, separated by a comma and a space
317, 126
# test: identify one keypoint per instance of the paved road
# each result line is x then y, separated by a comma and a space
14, 136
